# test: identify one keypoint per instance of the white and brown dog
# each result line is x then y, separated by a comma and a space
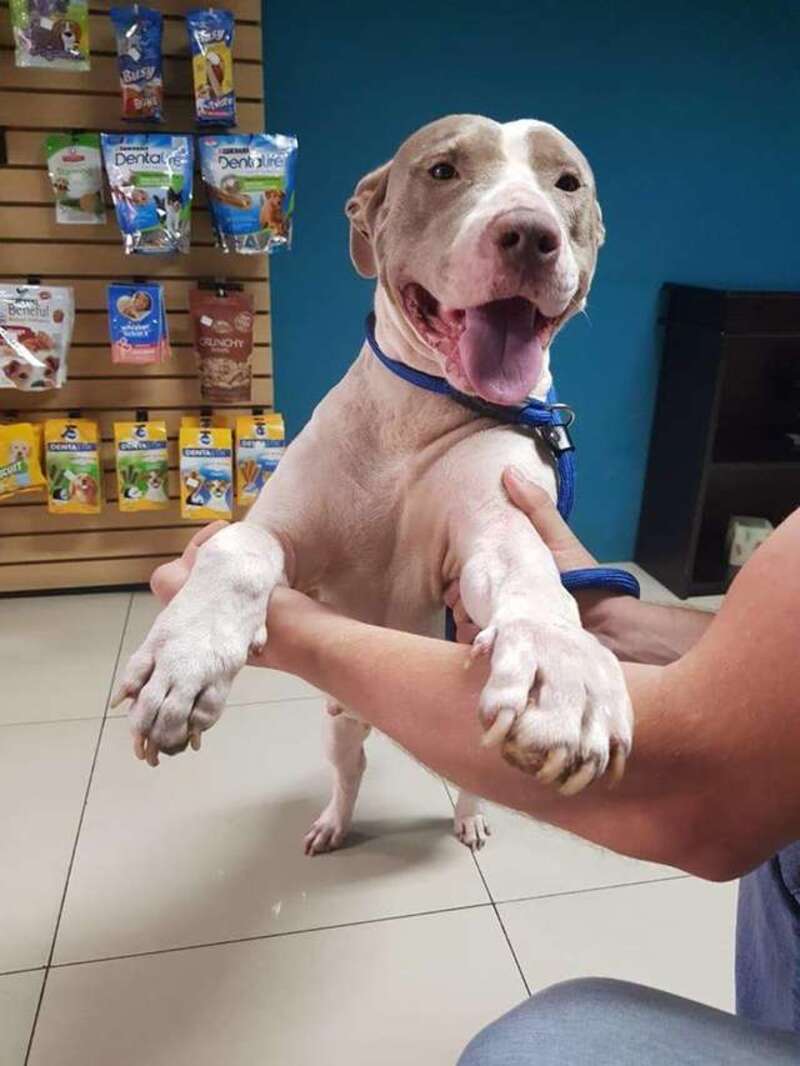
483, 238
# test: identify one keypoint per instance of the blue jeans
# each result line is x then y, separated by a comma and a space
599, 1022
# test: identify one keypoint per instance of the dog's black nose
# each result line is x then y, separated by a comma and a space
530, 236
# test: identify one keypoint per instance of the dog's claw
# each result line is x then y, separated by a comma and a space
580, 779
499, 729
553, 767
616, 767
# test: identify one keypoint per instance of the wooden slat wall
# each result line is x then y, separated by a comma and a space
38, 550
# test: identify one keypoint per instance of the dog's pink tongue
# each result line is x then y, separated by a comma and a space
499, 350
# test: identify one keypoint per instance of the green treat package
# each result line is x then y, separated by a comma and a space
74, 163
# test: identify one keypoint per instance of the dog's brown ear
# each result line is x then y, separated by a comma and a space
362, 209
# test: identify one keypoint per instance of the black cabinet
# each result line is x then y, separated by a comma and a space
726, 431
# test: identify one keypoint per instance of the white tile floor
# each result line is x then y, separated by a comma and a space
171, 917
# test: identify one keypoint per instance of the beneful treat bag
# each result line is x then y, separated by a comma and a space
72, 462
142, 465
206, 471
138, 30
260, 444
75, 166
35, 332
222, 326
150, 175
51, 33
20, 469
250, 180
137, 323
211, 41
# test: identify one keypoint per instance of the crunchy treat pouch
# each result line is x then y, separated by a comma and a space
20, 470
142, 466
260, 444
138, 30
75, 166
250, 180
211, 41
206, 469
137, 323
150, 175
222, 326
51, 33
72, 463
35, 332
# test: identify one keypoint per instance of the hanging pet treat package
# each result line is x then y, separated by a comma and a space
222, 327
137, 323
72, 463
211, 41
51, 33
142, 466
150, 175
250, 180
75, 166
20, 470
138, 30
206, 470
260, 444
35, 331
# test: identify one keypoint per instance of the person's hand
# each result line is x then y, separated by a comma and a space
288, 616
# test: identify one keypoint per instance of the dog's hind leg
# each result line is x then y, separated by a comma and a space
470, 823
344, 747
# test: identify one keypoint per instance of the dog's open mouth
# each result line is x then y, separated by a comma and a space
495, 349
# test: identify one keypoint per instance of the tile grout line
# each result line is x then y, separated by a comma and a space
596, 888
493, 904
87, 790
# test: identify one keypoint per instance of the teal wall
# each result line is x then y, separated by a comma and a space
688, 112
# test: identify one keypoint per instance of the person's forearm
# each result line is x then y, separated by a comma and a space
639, 632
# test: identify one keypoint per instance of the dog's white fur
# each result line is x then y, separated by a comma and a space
390, 493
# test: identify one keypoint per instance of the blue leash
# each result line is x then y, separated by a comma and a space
550, 422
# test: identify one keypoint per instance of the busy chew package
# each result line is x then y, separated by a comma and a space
206, 469
138, 31
211, 41
51, 33
250, 179
72, 463
142, 466
260, 444
20, 468
75, 166
35, 332
222, 327
150, 175
137, 323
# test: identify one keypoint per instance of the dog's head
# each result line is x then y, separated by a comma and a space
484, 239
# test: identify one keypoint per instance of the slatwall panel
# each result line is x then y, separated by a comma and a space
43, 551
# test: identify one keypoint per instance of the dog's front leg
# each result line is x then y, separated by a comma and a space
179, 678
555, 698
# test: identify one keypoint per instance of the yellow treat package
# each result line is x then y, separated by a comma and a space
260, 444
73, 466
206, 468
20, 468
142, 466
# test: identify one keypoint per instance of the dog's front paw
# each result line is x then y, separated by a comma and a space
556, 700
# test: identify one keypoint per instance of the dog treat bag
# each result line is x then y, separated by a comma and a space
250, 180
20, 470
138, 30
211, 41
72, 463
206, 468
260, 444
75, 166
137, 323
35, 332
51, 33
222, 327
142, 466
150, 175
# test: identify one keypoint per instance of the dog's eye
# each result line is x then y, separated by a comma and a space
568, 182
443, 171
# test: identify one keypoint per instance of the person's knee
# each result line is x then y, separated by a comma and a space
554, 1025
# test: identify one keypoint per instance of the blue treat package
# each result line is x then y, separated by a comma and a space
211, 41
250, 181
150, 175
138, 31
137, 323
